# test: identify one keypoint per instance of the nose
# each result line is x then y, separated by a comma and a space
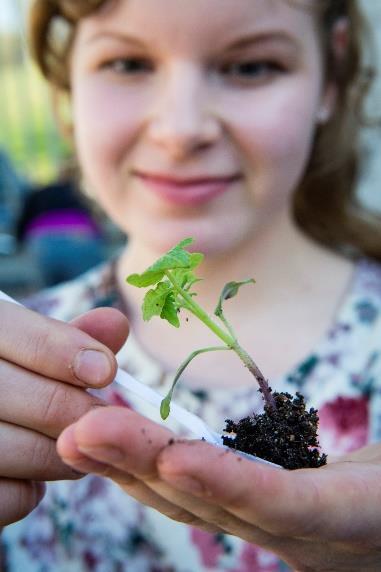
183, 122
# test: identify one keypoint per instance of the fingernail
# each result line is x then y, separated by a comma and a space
103, 454
92, 367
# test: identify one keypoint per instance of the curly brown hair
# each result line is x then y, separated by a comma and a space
325, 204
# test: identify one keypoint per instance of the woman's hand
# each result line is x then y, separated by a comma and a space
44, 371
326, 519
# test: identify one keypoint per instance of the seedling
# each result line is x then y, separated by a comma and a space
285, 433
173, 278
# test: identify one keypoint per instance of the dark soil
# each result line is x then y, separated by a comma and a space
285, 435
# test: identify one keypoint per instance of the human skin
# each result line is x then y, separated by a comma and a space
207, 129
177, 112
316, 520
159, 89
43, 386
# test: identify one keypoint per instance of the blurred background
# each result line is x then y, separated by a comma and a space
36, 172
49, 232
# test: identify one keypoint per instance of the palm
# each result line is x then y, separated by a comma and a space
325, 519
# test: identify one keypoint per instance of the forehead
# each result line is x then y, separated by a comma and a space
178, 22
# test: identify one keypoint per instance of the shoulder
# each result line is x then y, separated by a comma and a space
67, 300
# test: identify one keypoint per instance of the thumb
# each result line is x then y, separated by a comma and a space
107, 325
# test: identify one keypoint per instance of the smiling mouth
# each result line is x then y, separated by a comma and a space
191, 191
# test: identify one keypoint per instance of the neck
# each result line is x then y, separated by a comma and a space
278, 257
290, 271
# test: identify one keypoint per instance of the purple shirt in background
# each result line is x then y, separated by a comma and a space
68, 220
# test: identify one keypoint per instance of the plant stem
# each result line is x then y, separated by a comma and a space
193, 307
254, 369
165, 404
227, 325
227, 338
193, 355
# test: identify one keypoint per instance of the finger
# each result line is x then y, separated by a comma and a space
68, 451
107, 325
131, 443
308, 503
53, 349
368, 454
144, 494
262, 496
134, 487
18, 498
277, 501
120, 437
35, 456
216, 517
41, 404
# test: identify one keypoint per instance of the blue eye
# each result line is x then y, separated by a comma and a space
250, 69
128, 65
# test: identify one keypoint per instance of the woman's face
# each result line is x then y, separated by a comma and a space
196, 118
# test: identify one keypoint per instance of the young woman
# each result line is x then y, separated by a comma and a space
234, 122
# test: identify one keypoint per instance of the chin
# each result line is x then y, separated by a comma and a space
211, 239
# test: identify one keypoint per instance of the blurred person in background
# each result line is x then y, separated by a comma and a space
60, 231
12, 191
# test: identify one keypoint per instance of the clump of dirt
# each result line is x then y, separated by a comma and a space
285, 434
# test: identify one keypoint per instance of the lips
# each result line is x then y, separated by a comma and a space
191, 191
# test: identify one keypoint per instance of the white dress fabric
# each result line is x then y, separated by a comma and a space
91, 525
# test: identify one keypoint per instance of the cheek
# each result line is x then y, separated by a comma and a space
286, 143
275, 134
106, 125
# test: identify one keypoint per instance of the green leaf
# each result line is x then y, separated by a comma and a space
185, 278
169, 311
185, 242
154, 300
195, 259
176, 257
182, 275
148, 278
229, 291
165, 407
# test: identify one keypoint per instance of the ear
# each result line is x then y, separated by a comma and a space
339, 39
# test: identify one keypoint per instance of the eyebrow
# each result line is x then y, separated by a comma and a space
238, 44
264, 38
115, 35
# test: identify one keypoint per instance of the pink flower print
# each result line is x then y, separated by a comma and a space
209, 548
255, 559
343, 425
91, 560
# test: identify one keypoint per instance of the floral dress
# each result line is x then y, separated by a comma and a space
92, 525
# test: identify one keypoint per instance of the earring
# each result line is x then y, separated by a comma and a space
323, 115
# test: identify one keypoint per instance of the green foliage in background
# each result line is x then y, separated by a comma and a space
27, 128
